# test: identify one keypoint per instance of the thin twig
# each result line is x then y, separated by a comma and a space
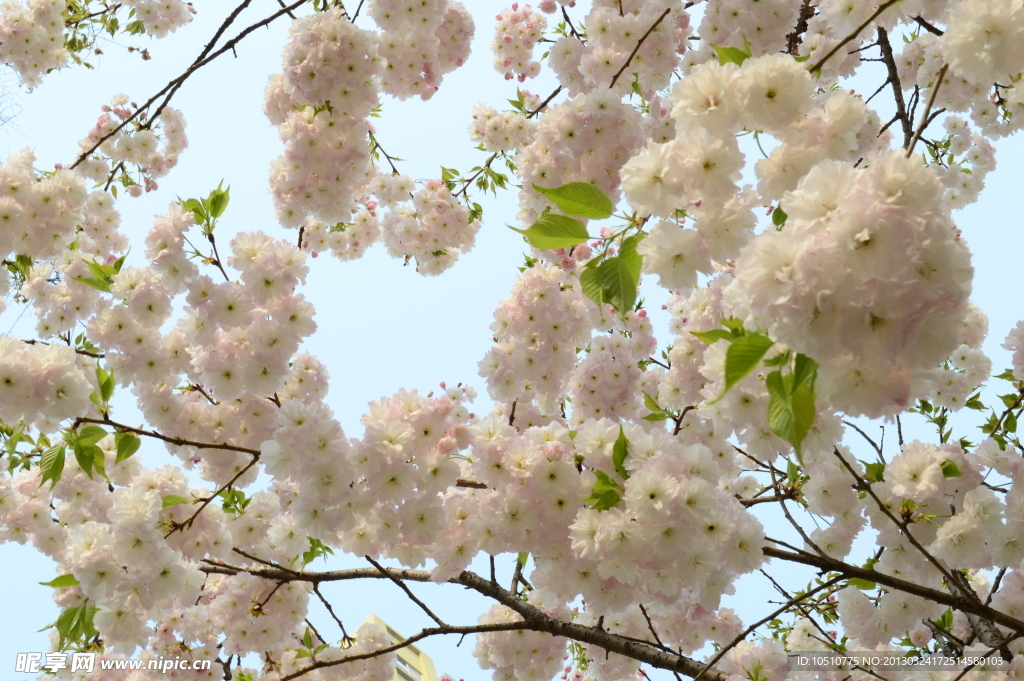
410, 594
96, 355
544, 104
327, 604
187, 523
928, 107
639, 43
903, 526
572, 29
874, 444
181, 79
732, 644
881, 8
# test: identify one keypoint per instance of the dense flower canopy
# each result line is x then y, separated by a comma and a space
622, 469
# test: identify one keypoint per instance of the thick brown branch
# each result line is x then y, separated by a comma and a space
534, 619
181, 442
470, 483
928, 27
754, 501
955, 602
794, 39
897, 88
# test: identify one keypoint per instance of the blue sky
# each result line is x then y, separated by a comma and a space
382, 327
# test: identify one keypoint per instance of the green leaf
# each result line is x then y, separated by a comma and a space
656, 416
974, 402
581, 199
51, 464
792, 472
106, 383
950, 469
89, 456
1007, 375
127, 444
1009, 401
196, 206
617, 284
630, 258
805, 370
65, 621
218, 201
589, 282
734, 325
779, 216
1010, 423
174, 500
874, 472
731, 54
650, 403
713, 336
779, 360
742, 357
12, 442
62, 582
100, 271
523, 557
605, 494
90, 435
119, 263
790, 415
862, 584
97, 284
555, 231
619, 452
946, 621
307, 639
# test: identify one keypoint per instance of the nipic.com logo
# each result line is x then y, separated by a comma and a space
35, 663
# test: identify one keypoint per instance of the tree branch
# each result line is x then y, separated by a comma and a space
430, 631
534, 619
897, 88
794, 39
881, 8
925, 120
174, 84
410, 594
639, 43
746, 632
955, 602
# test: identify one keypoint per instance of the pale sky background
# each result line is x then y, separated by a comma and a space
382, 326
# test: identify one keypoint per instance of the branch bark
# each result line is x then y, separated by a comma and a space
533, 618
